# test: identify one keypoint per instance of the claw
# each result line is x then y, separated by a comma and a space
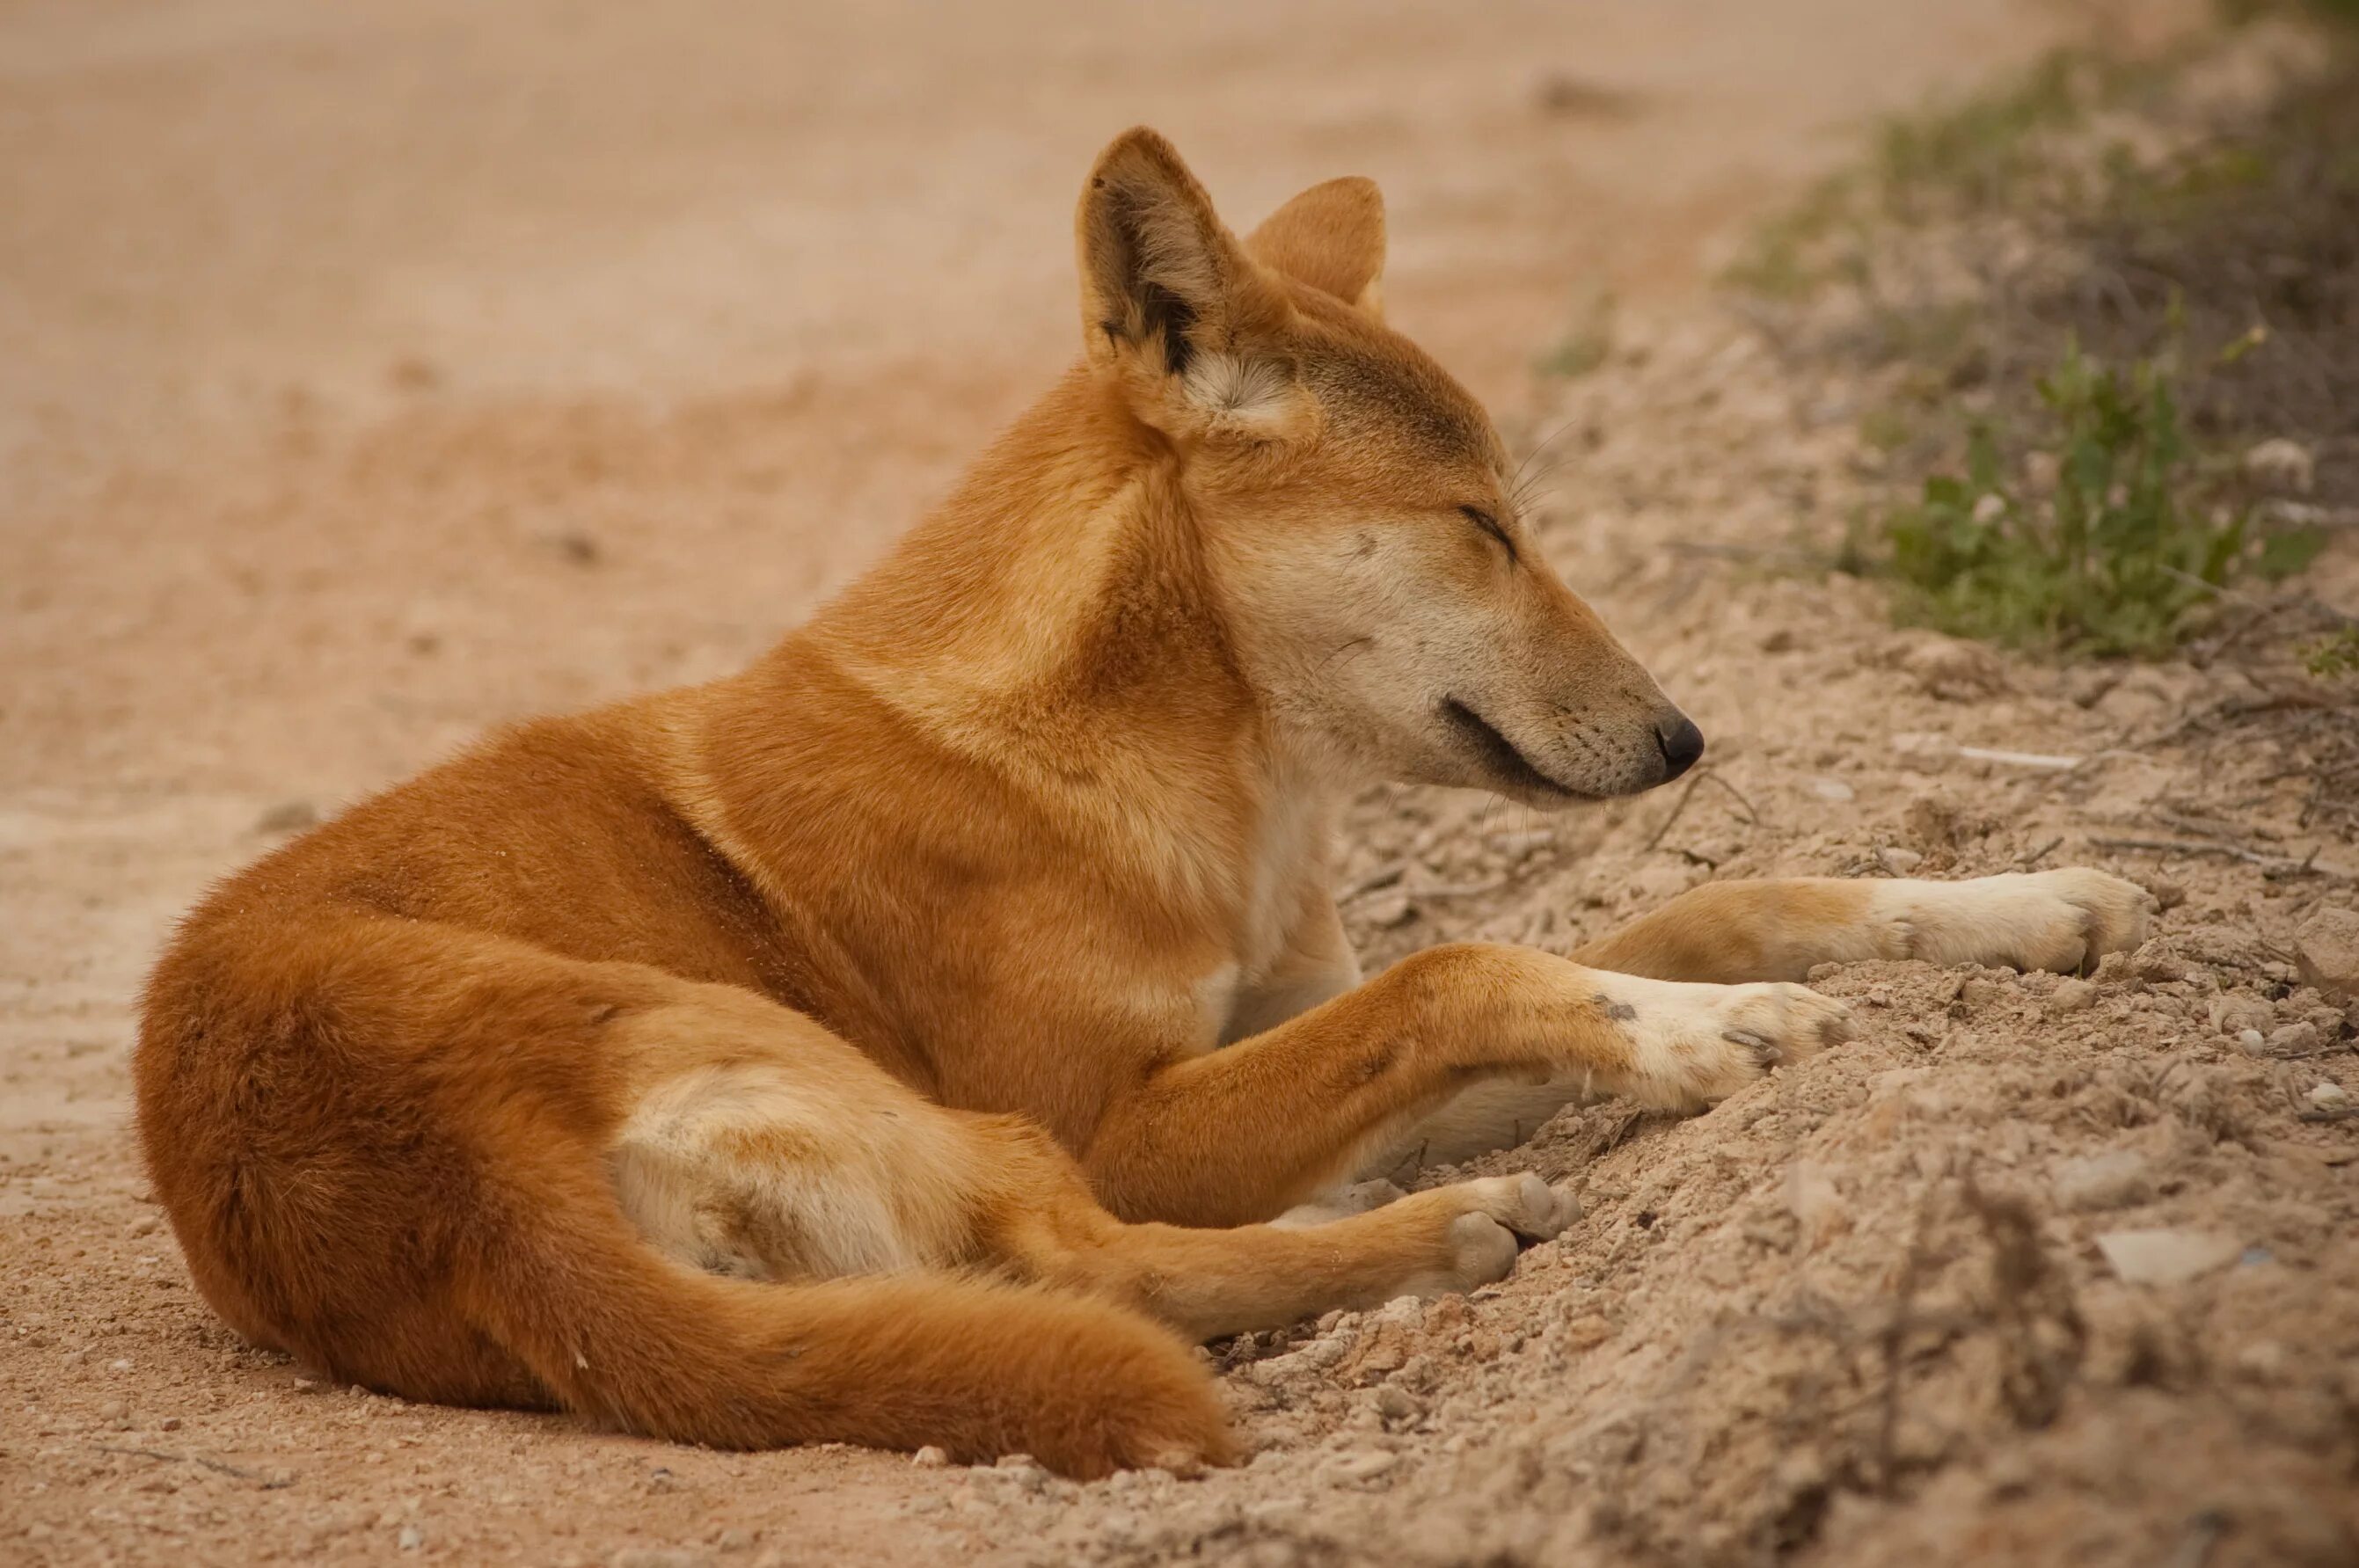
1764, 1051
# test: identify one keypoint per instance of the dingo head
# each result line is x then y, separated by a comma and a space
1386, 601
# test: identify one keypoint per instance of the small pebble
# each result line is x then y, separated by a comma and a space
1365, 1466
930, 1457
2109, 1180
2166, 1257
411, 1538
2326, 950
2329, 1096
2252, 1043
2293, 1040
2072, 996
145, 1224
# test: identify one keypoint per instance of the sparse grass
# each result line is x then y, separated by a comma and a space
1965, 156
2124, 554
2204, 294
1787, 256
1978, 150
2335, 656
1587, 343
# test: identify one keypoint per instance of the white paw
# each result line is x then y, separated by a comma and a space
1525, 1204
1488, 1221
2064, 920
1481, 1250
1693, 1044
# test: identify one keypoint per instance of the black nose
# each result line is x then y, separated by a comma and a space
1681, 742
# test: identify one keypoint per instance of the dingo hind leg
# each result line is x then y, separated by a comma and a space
770, 1151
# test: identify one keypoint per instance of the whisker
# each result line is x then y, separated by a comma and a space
1553, 437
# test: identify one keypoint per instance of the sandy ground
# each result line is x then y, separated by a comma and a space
371, 374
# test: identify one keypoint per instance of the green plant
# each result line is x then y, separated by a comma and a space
2123, 557
2334, 655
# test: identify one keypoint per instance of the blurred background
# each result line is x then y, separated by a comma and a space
372, 370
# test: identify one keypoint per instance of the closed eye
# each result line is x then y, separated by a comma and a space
1490, 524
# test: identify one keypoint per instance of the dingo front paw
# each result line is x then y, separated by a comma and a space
2064, 920
1693, 1044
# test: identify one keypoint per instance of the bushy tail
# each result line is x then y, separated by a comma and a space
621, 1333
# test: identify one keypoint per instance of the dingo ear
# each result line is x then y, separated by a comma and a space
1331, 237
1169, 299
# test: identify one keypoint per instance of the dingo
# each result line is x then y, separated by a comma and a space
899, 1041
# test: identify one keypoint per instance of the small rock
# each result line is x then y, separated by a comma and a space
1898, 861
114, 1409
1397, 1404
1390, 910
2326, 951
1315, 1356
1363, 1467
1922, 753
1978, 992
2294, 1039
411, 1538
1834, 790
2236, 1014
930, 1457
2108, 1179
2072, 995
145, 1224
169, 1423
2282, 464
2166, 1257
1954, 671
1019, 1471
2252, 1043
2329, 1096
1587, 1332
734, 1541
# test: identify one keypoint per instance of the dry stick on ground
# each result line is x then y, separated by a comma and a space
2271, 865
269, 1483
1752, 812
2024, 862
